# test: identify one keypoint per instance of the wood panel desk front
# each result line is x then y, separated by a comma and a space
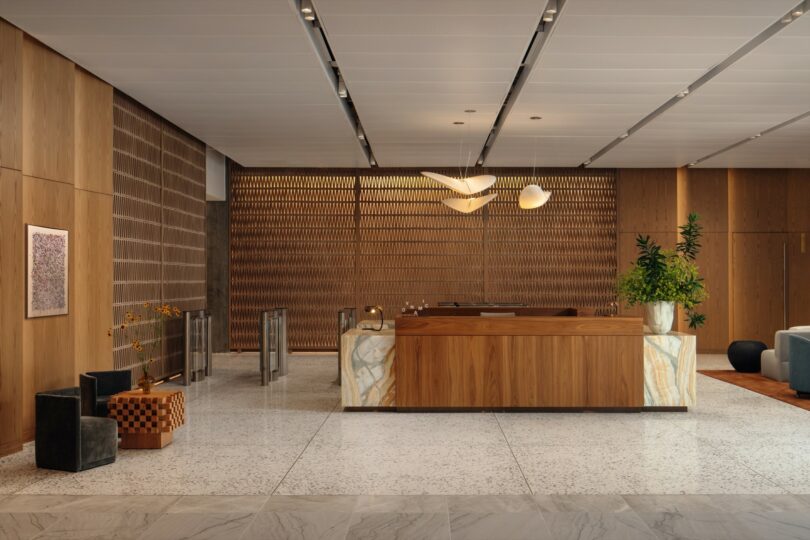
519, 362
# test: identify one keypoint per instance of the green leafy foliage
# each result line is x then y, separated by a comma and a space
661, 275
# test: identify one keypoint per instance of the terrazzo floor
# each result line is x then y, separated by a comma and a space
292, 439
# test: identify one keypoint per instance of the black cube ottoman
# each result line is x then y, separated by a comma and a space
744, 355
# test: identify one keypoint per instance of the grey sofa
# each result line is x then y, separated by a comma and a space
98, 386
775, 362
800, 366
68, 441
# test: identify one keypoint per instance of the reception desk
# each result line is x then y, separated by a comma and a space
558, 362
580, 366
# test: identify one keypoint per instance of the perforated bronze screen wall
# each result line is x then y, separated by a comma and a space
158, 223
315, 241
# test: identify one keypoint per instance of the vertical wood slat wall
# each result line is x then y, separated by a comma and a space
316, 241
158, 224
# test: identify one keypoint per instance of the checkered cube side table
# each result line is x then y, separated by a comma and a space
148, 420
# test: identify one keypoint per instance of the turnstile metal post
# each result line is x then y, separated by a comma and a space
281, 353
209, 352
187, 349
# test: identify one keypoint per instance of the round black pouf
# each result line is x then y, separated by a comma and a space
744, 355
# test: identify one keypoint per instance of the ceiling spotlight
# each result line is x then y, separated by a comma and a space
551, 7
371, 160
342, 90
624, 135
469, 110
309, 17
683, 93
587, 162
360, 133
758, 135
458, 123
535, 118
548, 17
480, 161
787, 19
692, 164
797, 12
306, 6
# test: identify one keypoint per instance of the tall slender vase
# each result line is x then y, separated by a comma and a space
660, 316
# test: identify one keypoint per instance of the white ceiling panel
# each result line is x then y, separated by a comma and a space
413, 66
607, 65
768, 86
787, 147
241, 75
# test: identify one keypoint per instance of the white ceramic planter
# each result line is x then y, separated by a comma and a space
660, 316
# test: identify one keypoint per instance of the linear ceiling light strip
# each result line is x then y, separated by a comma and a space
549, 18
749, 46
751, 138
323, 49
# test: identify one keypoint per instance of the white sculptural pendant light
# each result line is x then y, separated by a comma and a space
465, 186
533, 196
467, 206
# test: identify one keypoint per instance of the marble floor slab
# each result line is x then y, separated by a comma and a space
292, 438
654, 517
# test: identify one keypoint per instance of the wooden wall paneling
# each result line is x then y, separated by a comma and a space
757, 200
92, 244
11, 40
391, 240
713, 262
708, 197
757, 280
707, 194
412, 247
798, 276
136, 216
93, 133
12, 309
798, 226
798, 200
47, 113
614, 367
560, 255
293, 246
48, 344
647, 200
183, 234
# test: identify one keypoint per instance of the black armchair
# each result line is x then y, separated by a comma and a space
98, 386
68, 441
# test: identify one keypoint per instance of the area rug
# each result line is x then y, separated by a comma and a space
759, 384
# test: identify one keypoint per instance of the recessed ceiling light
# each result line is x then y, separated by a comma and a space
535, 118
692, 164
469, 110
342, 90
306, 6
624, 135
458, 123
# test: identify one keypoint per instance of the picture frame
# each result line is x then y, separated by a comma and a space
47, 267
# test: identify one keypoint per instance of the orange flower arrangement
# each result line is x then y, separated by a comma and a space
144, 331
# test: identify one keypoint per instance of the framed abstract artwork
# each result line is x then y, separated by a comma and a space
47, 272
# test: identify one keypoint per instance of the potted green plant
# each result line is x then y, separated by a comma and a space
661, 278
